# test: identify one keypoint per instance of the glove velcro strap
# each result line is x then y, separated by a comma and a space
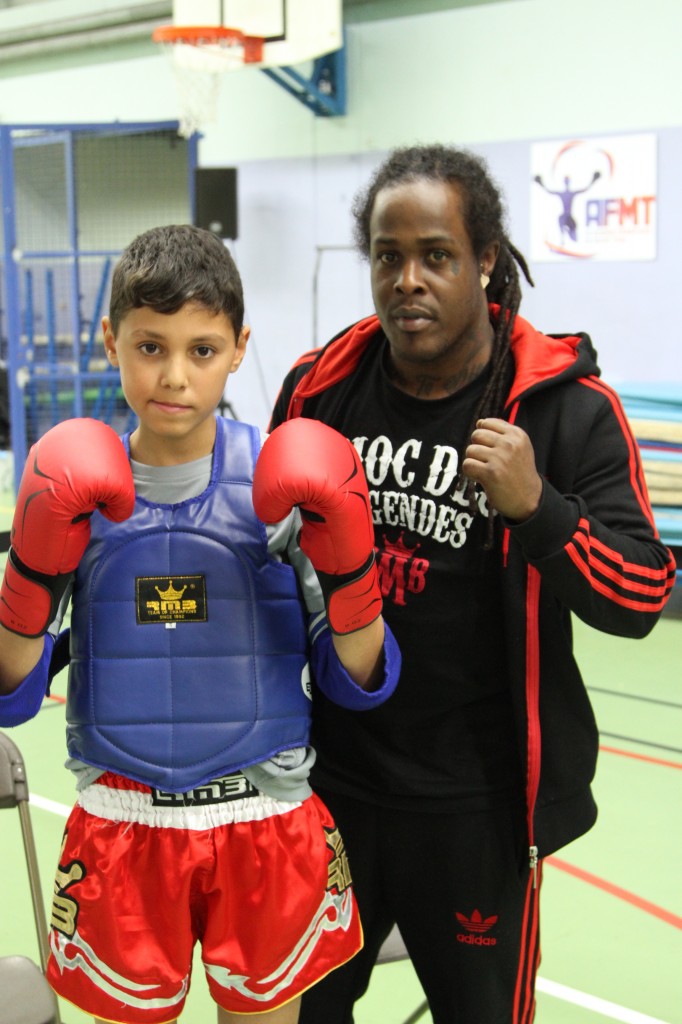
29, 599
352, 600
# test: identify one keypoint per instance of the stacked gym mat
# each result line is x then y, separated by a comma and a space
655, 414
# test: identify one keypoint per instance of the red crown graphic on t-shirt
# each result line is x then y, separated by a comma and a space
476, 923
398, 547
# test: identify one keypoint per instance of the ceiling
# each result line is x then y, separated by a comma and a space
356, 10
353, 9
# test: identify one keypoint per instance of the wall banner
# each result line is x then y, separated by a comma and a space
594, 199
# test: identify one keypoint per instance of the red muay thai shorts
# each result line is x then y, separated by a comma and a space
263, 886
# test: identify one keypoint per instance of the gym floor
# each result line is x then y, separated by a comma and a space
611, 902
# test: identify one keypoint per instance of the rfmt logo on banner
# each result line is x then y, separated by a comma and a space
594, 199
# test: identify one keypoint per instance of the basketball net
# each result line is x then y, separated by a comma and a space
200, 56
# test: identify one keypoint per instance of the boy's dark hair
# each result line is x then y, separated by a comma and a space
167, 267
484, 217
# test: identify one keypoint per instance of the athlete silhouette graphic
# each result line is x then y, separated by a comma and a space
567, 224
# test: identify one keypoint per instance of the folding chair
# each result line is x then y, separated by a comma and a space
26, 996
392, 950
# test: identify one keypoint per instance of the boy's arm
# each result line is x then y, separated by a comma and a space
24, 676
336, 682
19, 655
361, 654
76, 467
330, 673
304, 463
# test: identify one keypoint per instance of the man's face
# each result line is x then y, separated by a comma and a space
426, 281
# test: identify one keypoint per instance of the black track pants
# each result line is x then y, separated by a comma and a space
460, 889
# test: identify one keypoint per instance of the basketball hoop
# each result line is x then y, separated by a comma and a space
200, 54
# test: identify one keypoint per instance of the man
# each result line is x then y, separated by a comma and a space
507, 493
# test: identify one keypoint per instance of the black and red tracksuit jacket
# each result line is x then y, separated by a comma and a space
591, 549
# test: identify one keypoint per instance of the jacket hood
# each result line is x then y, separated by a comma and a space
334, 362
539, 359
543, 358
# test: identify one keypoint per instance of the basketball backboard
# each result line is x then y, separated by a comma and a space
210, 37
293, 31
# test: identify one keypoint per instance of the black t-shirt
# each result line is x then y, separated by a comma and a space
446, 734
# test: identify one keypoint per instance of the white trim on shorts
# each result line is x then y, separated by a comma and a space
133, 805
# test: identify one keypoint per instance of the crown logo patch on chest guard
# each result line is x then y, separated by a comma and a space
170, 599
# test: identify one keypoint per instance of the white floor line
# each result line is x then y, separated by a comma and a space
49, 805
594, 1003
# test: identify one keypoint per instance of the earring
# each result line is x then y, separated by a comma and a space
485, 280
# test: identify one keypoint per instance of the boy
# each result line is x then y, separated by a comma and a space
188, 703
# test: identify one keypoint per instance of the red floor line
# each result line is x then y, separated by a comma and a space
59, 700
615, 890
641, 757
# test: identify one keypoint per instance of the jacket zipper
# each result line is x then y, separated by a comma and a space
533, 711
532, 690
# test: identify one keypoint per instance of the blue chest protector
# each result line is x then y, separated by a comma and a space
188, 641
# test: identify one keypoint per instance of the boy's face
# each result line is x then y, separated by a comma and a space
174, 368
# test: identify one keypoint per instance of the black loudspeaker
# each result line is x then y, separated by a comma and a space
215, 200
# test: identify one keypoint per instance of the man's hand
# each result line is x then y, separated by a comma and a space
501, 459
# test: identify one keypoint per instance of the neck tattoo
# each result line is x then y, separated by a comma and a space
425, 386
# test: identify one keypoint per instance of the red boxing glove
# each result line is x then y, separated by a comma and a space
306, 463
76, 467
